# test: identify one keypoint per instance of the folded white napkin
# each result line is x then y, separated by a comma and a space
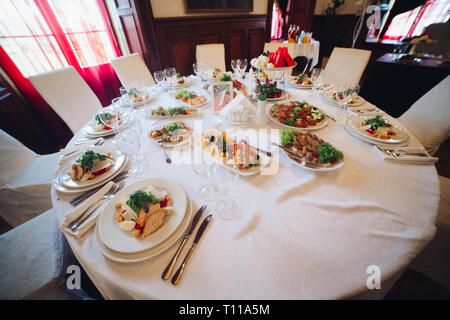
406, 157
77, 212
238, 109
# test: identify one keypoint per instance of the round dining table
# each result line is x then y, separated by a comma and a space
342, 234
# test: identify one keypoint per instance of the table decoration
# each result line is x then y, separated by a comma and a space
221, 94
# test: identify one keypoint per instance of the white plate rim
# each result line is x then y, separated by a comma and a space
199, 111
115, 152
322, 169
110, 208
361, 117
322, 125
184, 85
150, 253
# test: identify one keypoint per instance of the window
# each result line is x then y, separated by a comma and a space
412, 23
43, 35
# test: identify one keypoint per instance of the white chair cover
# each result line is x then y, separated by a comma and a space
14, 157
31, 257
428, 119
26, 180
346, 66
132, 71
67, 93
212, 55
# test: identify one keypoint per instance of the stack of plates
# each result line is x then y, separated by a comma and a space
90, 132
63, 182
352, 126
122, 246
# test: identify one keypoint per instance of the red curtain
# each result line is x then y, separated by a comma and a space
42, 35
277, 22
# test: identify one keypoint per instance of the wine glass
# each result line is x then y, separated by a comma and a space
131, 145
317, 77
355, 92
343, 95
169, 72
228, 199
159, 77
242, 65
206, 168
235, 66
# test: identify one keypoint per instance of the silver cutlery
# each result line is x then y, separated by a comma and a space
330, 117
99, 142
177, 276
84, 140
82, 197
92, 208
168, 270
160, 142
397, 153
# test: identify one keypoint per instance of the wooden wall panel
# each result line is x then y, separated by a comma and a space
177, 38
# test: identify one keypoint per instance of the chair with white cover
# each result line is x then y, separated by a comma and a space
346, 66
212, 55
428, 119
25, 181
69, 95
132, 71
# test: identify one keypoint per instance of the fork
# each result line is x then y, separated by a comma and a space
91, 209
84, 140
160, 142
82, 197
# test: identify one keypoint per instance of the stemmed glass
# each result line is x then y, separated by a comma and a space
228, 199
242, 66
131, 144
235, 66
160, 77
355, 92
206, 168
343, 95
317, 78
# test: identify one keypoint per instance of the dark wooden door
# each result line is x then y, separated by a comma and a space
301, 13
18, 119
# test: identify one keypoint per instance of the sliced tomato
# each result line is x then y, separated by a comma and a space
163, 203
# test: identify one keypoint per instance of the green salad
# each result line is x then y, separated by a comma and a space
141, 200
375, 123
87, 160
103, 118
184, 94
173, 126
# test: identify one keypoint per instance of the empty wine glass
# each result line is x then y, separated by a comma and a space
159, 77
242, 65
169, 72
235, 66
206, 168
228, 199
317, 78
131, 145
343, 95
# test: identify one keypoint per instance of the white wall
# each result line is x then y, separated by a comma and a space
349, 7
175, 8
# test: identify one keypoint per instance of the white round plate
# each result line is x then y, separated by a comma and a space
322, 125
172, 145
66, 180
60, 188
359, 101
297, 86
363, 138
272, 69
400, 136
141, 103
187, 83
125, 242
322, 169
172, 95
91, 132
199, 111
145, 255
284, 96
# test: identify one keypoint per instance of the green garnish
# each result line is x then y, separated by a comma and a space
301, 77
287, 137
173, 126
183, 93
177, 110
103, 117
376, 122
225, 78
87, 160
140, 200
328, 154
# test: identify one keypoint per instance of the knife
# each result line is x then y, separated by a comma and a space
177, 276
168, 271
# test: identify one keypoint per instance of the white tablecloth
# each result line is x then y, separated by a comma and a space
300, 235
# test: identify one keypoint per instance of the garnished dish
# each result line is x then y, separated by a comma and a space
277, 59
298, 114
301, 80
90, 166
355, 101
229, 151
138, 96
176, 81
378, 128
310, 151
189, 97
173, 133
144, 212
174, 112
104, 121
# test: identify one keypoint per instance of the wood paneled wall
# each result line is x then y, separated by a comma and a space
243, 37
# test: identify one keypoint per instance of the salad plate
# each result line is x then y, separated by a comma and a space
297, 115
300, 82
93, 129
189, 98
378, 129
187, 83
227, 153
284, 95
91, 167
175, 112
113, 235
173, 134
354, 102
363, 138
150, 253
310, 152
